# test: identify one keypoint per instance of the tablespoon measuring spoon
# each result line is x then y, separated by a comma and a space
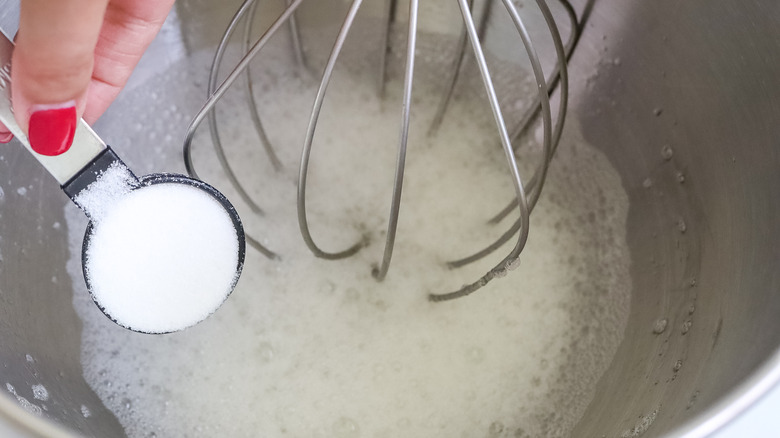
161, 252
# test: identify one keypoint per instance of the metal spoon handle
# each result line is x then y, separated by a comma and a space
86, 144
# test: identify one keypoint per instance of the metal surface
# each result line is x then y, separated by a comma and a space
39, 330
681, 98
699, 77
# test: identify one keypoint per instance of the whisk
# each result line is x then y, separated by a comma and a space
526, 195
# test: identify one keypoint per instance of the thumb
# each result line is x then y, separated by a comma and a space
51, 68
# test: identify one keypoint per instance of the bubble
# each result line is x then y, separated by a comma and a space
22, 191
346, 428
645, 421
680, 177
476, 355
40, 392
23, 402
520, 433
29, 358
265, 351
647, 183
327, 287
85, 412
681, 225
686, 326
677, 366
667, 152
496, 428
379, 371
692, 400
352, 294
660, 326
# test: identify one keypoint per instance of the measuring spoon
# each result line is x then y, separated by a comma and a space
149, 274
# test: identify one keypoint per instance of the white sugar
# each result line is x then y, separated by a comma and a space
99, 197
162, 257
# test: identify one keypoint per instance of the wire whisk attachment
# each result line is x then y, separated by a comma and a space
472, 34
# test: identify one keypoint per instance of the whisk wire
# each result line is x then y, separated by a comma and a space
535, 183
303, 222
457, 66
544, 97
250, 94
556, 75
217, 94
295, 38
385, 48
212, 119
395, 206
501, 268
526, 194
552, 83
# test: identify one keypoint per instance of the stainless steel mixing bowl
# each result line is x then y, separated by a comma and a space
668, 90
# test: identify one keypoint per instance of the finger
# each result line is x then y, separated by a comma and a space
128, 29
5, 134
52, 67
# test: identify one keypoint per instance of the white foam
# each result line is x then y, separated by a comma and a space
24, 402
309, 347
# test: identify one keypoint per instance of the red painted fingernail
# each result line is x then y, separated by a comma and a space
5, 137
52, 128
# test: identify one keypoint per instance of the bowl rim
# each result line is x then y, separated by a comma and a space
735, 402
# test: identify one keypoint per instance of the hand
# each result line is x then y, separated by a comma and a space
72, 58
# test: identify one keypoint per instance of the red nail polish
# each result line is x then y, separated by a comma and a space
5, 137
52, 128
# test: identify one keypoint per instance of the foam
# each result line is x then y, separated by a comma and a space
308, 347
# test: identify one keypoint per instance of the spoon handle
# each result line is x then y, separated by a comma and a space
86, 144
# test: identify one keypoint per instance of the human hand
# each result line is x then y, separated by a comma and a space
71, 60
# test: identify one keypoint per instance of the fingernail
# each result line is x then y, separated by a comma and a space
5, 137
52, 128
